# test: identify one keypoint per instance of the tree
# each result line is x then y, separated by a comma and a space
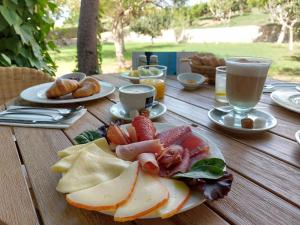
24, 29
87, 37
287, 13
221, 9
151, 23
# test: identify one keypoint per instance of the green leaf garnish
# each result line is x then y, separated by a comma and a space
212, 168
87, 136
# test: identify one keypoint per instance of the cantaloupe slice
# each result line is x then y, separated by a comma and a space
149, 194
101, 143
89, 170
107, 195
179, 193
63, 165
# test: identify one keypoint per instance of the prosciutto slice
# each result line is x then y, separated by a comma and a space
148, 163
182, 167
194, 144
174, 135
131, 151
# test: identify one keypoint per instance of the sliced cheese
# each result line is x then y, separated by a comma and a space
101, 143
148, 195
179, 193
89, 170
66, 162
107, 195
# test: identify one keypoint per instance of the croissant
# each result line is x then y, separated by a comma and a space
61, 87
87, 87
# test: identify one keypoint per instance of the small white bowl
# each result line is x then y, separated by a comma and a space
196, 77
74, 76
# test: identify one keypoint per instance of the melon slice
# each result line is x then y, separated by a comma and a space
148, 195
66, 162
107, 195
89, 170
101, 143
179, 193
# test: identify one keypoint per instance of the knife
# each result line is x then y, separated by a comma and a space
28, 121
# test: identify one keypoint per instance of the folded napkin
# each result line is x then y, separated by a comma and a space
61, 124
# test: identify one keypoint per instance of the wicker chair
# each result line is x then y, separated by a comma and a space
13, 80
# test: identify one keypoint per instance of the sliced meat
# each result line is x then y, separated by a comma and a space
116, 136
194, 144
131, 151
148, 163
132, 133
144, 128
182, 167
171, 156
174, 135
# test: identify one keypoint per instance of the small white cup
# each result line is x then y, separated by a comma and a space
136, 97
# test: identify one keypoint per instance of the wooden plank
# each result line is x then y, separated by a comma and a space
38, 148
16, 206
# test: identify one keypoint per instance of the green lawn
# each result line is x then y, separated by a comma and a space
286, 65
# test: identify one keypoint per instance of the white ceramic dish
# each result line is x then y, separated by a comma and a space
136, 80
218, 118
297, 136
74, 76
198, 78
37, 94
196, 198
155, 112
287, 99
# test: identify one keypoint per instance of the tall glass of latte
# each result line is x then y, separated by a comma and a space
245, 81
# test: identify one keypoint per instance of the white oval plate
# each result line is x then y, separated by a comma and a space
155, 112
287, 99
297, 136
196, 198
217, 117
126, 75
37, 94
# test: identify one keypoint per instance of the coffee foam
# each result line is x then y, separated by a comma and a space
250, 68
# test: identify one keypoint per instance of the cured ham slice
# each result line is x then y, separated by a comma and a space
174, 135
171, 156
194, 144
131, 151
132, 133
144, 127
182, 167
148, 163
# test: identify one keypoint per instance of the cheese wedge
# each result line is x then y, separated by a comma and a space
101, 143
89, 170
66, 162
179, 193
107, 195
148, 195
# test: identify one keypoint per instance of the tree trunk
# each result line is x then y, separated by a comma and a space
291, 38
118, 36
282, 34
87, 37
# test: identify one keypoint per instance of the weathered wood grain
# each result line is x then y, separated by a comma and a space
16, 206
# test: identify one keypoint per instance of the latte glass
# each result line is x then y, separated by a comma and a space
245, 81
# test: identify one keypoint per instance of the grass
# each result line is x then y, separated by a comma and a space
286, 65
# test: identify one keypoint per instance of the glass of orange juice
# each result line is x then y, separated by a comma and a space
159, 85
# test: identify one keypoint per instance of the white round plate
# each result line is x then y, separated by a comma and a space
196, 198
287, 99
218, 118
37, 94
297, 136
155, 112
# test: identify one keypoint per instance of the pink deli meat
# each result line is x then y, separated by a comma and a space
144, 128
131, 151
194, 144
173, 136
148, 163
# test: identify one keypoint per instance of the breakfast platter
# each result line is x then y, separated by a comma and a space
135, 75
37, 94
142, 170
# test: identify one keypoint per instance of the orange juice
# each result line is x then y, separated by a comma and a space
158, 84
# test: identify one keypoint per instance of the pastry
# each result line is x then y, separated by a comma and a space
87, 87
61, 87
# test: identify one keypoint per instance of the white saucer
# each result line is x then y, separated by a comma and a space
218, 117
297, 136
287, 99
156, 111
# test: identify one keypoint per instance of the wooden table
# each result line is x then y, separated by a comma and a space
266, 187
